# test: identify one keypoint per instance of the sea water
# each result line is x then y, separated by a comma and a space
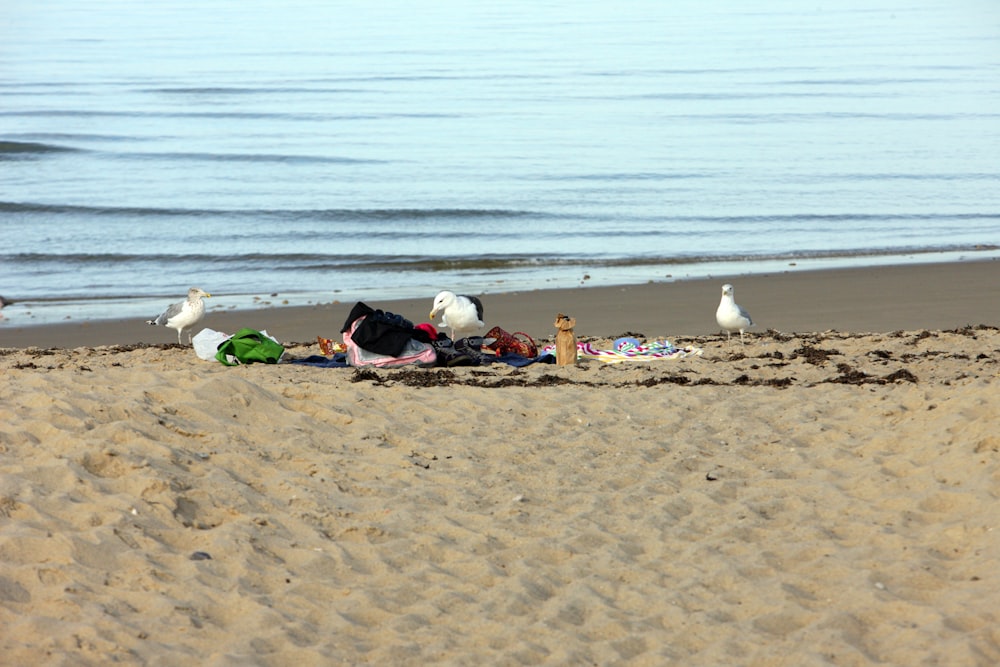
310, 151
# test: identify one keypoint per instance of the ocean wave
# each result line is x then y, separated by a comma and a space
226, 115
860, 217
930, 176
319, 262
513, 263
247, 157
826, 117
389, 214
16, 148
298, 214
202, 91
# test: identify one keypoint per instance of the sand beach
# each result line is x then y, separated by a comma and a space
826, 494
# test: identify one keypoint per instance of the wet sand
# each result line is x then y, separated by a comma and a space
931, 296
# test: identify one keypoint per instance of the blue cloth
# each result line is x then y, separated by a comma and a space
519, 361
338, 360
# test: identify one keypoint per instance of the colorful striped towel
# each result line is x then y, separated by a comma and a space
652, 351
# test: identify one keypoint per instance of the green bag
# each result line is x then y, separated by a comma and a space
248, 346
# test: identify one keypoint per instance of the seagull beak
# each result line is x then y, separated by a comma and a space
433, 313
207, 295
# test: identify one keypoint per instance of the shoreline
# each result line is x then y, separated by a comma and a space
877, 298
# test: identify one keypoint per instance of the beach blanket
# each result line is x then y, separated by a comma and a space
339, 360
653, 351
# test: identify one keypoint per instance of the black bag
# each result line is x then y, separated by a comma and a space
381, 332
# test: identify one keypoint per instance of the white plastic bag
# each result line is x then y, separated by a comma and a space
207, 341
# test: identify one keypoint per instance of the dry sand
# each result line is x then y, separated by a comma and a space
823, 498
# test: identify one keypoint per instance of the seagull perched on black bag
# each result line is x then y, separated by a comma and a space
462, 314
730, 316
184, 314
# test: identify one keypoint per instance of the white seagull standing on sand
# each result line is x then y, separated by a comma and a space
460, 313
730, 316
184, 314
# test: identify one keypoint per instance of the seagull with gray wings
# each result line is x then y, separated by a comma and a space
462, 314
730, 316
183, 315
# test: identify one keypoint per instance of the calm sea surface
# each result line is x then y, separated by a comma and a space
320, 150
